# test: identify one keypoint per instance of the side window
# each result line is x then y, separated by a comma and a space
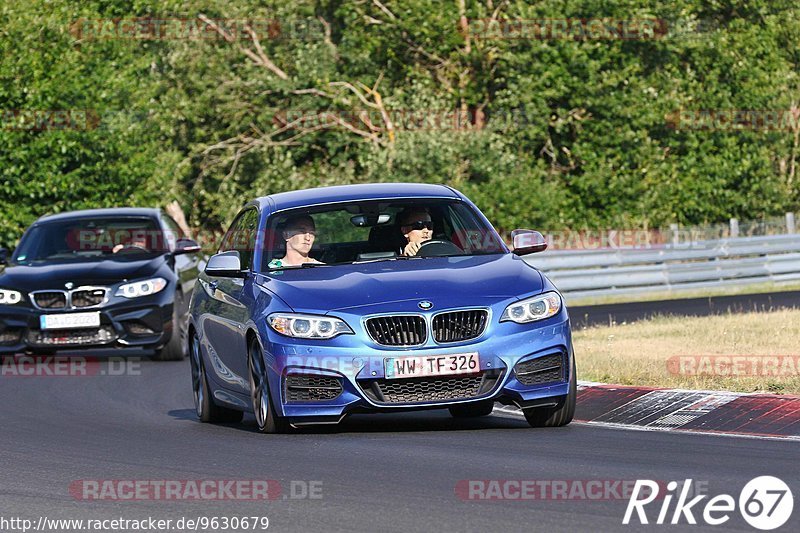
242, 237
227, 240
224, 243
246, 244
173, 231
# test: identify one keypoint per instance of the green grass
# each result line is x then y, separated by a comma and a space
756, 288
662, 351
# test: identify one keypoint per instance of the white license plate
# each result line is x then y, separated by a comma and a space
70, 321
433, 365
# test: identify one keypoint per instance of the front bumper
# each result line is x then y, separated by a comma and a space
144, 323
524, 366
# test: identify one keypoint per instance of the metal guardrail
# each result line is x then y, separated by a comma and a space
734, 261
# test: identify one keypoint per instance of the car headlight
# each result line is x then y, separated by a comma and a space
533, 309
145, 287
9, 297
307, 326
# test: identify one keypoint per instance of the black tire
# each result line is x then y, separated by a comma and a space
472, 410
560, 415
177, 347
267, 420
207, 410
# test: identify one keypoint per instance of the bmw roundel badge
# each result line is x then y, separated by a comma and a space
425, 305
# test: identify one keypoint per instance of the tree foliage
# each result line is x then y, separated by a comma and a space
545, 133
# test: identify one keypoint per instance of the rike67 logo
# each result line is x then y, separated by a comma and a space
765, 503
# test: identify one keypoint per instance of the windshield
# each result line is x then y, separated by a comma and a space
87, 239
376, 231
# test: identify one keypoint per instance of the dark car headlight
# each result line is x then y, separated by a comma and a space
307, 326
533, 309
9, 297
145, 287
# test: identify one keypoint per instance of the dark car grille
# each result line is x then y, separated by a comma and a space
401, 330
88, 298
311, 388
430, 389
76, 337
459, 325
78, 299
50, 300
545, 369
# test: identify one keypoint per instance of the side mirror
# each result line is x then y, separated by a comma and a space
186, 246
4, 256
526, 241
225, 265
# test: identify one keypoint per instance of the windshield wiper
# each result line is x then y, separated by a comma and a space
380, 259
304, 265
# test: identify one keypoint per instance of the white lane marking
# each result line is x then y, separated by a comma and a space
666, 408
516, 413
611, 386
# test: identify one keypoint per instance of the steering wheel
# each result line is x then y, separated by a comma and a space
132, 248
437, 248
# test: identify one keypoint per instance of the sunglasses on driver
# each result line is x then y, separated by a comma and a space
420, 224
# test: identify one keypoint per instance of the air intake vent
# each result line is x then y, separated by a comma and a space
101, 335
311, 388
10, 335
430, 389
547, 369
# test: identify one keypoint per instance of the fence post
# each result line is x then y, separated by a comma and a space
673, 228
790, 227
734, 228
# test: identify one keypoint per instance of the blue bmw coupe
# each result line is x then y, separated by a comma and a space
376, 298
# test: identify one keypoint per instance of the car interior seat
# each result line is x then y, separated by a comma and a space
385, 238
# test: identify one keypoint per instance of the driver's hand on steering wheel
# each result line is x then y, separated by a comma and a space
412, 248
132, 246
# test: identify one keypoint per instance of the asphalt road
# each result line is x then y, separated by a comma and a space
378, 473
591, 315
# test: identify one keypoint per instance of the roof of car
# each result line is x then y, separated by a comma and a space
107, 212
345, 193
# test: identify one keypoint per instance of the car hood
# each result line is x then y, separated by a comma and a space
55, 275
446, 281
